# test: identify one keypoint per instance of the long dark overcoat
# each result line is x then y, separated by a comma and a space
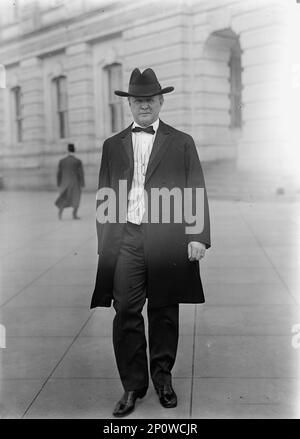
173, 163
70, 179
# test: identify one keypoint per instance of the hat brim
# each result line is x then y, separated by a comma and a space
144, 95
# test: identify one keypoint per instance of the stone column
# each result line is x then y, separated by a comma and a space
33, 123
80, 96
263, 144
1, 131
2, 90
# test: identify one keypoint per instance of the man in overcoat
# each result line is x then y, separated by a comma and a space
70, 179
145, 253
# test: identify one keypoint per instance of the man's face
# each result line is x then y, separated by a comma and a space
145, 111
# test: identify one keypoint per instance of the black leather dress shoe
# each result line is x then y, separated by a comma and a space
127, 403
167, 396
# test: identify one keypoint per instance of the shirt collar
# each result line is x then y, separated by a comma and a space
154, 124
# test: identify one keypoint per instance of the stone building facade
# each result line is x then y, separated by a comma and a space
62, 59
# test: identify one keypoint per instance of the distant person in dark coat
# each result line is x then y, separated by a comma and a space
70, 179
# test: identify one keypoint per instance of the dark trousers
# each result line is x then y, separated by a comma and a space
130, 284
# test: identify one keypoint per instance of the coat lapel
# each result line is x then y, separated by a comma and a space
127, 149
158, 150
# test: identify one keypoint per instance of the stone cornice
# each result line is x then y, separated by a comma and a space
85, 28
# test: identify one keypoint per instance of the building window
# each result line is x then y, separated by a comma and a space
235, 91
61, 106
115, 109
17, 114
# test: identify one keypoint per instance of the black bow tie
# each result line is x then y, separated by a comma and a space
148, 130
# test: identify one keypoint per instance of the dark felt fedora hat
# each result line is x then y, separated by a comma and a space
71, 147
144, 85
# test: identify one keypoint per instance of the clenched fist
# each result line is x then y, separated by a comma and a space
196, 251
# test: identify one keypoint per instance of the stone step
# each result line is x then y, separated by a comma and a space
225, 181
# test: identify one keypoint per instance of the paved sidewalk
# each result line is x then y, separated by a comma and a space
235, 356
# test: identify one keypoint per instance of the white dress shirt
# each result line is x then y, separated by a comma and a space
142, 146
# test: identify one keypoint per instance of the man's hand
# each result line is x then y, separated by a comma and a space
196, 251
